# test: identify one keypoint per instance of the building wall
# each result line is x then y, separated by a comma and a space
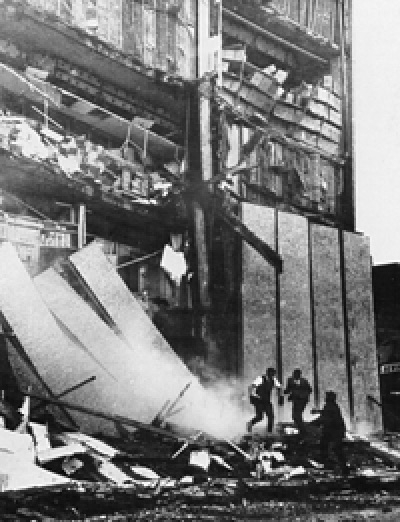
322, 306
159, 33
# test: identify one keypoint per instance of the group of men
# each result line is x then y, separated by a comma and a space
299, 391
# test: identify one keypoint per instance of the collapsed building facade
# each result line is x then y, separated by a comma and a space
223, 130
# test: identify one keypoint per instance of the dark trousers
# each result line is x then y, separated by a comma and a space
298, 407
335, 442
261, 407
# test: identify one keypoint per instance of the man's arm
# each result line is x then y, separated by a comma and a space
253, 387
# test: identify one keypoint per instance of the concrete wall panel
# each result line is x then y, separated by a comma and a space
361, 328
258, 295
295, 296
328, 315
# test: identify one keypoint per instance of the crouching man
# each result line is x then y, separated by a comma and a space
333, 430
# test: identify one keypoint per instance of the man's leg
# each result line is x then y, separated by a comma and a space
258, 407
337, 448
298, 409
324, 447
269, 411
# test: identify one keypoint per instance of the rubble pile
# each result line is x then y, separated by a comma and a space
48, 471
76, 157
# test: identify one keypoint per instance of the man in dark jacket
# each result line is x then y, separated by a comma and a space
260, 398
333, 430
299, 391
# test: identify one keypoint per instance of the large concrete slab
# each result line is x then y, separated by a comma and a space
153, 357
104, 347
135, 327
328, 315
258, 295
361, 329
60, 362
295, 297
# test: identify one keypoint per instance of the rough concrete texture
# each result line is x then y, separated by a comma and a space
60, 362
328, 314
295, 297
28, 378
206, 409
106, 349
361, 329
259, 311
134, 325
258, 295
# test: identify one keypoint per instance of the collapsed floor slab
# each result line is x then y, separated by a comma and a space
59, 361
153, 356
110, 352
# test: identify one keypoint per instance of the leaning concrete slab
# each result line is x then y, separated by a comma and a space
153, 353
105, 348
153, 357
60, 362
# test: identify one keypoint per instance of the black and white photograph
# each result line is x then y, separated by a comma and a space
199, 260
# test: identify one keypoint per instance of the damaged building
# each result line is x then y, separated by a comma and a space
204, 149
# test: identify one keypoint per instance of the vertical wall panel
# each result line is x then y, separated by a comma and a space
103, 19
115, 23
161, 26
149, 33
171, 43
128, 30
361, 328
295, 295
258, 295
328, 315
137, 14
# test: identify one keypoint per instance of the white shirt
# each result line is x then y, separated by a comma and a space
259, 381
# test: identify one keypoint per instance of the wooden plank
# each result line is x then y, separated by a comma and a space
171, 43
258, 295
202, 254
138, 28
161, 35
103, 19
361, 329
128, 33
182, 48
328, 177
328, 314
295, 297
115, 23
149, 19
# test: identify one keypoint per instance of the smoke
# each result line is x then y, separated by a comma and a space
220, 407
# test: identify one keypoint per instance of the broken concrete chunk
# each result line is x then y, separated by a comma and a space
61, 451
200, 459
145, 473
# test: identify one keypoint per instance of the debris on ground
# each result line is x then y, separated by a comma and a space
77, 475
